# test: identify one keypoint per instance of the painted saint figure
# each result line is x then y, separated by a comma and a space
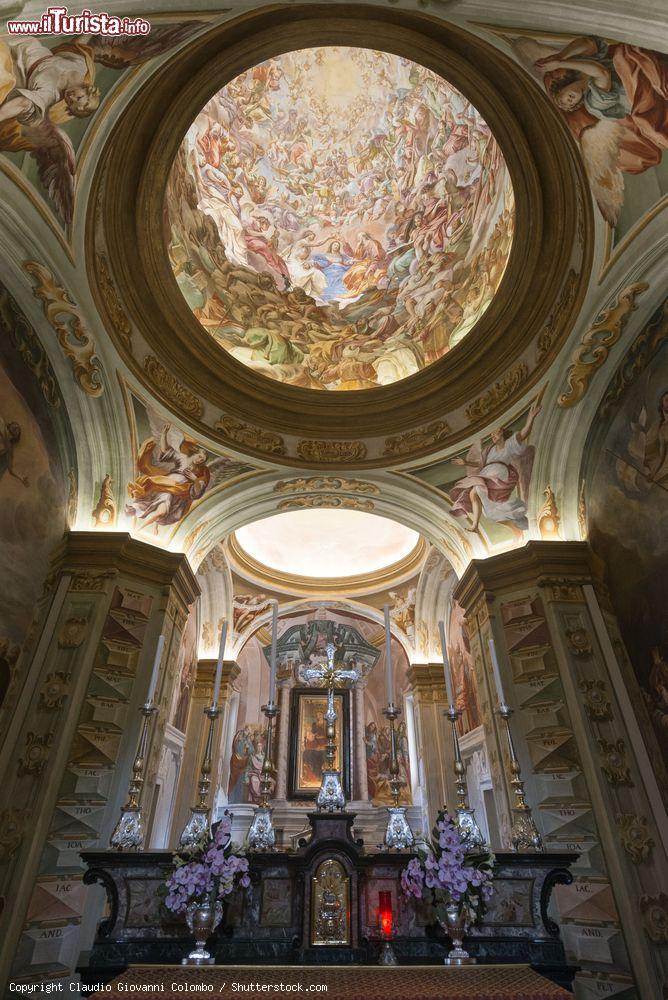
503, 467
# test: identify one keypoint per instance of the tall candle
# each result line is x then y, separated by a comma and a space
497, 674
446, 666
156, 669
219, 665
272, 661
389, 676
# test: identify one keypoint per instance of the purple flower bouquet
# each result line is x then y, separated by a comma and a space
207, 871
445, 874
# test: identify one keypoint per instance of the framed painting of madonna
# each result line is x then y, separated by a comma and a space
309, 740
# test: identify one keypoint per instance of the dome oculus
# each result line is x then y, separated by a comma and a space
339, 218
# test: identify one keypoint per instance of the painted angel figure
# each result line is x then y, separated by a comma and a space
172, 477
615, 100
42, 88
497, 471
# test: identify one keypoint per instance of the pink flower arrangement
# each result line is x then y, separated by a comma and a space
208, 868
447, 874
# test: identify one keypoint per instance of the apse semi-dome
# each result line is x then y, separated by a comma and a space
338, 218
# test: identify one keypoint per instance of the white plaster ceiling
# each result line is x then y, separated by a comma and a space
327, 543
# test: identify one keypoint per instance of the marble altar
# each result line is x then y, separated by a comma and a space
273, 923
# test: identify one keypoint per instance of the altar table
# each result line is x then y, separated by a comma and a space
489, 982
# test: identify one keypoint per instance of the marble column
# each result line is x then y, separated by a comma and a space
197, 731
67, 753
585, 766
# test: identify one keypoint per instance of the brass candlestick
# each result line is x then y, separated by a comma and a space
261, 834
199, 822
398, 833
524, 834
128, 833
466, 822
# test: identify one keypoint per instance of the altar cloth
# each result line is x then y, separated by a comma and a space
406, 982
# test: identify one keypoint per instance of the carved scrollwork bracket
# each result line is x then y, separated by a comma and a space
93, 875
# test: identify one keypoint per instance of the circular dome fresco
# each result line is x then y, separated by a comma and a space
339, 218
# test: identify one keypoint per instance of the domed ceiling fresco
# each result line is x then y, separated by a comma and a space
339, 218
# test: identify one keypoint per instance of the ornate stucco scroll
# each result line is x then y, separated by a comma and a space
64, 316
597, 342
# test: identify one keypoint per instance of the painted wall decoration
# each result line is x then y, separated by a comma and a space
33, 487
187, 667
339, 218
50, 88
377, 731
246, 763
173, 471
627, 516
614, 98
464, 684
248, 607
492, 495
402, 611
250, 726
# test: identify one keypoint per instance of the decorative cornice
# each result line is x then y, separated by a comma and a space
96, 554
206, 672
532, 565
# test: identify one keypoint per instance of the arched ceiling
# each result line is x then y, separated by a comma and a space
94, 309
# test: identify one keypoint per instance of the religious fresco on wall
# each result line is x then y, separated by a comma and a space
627, 517
493, 493
614, 99
51, 87
465, 688
187, 671
174, 471
339, 218
246, 762
33, 485
377, 732
248, 743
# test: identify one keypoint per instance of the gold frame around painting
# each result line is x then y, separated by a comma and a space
305, 759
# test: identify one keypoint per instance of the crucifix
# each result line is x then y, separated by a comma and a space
330, 796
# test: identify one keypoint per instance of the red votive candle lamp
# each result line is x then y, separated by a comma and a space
385, 913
